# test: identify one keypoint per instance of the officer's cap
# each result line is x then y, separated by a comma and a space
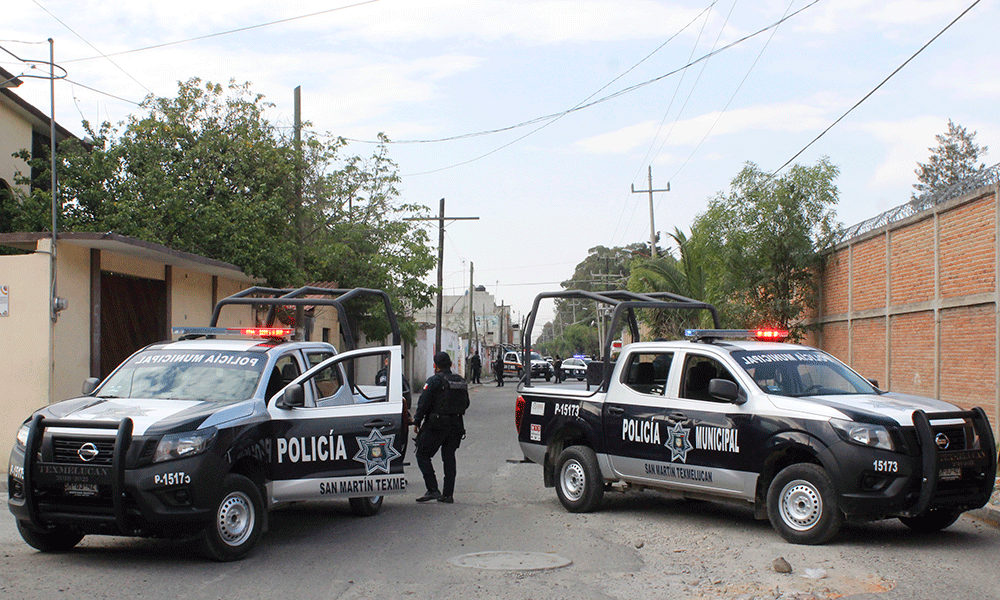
442, 360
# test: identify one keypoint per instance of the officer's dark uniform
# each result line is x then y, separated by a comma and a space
440, 426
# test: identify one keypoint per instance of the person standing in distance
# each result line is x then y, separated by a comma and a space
477, 366
498, 369
439, 425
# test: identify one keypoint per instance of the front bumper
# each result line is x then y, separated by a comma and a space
129, 496
918, 477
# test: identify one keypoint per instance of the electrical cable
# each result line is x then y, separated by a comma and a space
84, 40
875, 89
602, 99
221, 33
556, 116
728, 103
666, 113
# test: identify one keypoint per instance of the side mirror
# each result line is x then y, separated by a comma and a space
874, 383
293, 397
89, 385
725, 390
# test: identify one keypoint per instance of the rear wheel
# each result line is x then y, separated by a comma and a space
579, 484
932, 520
239, 519
366, 507
57, 539
802, 505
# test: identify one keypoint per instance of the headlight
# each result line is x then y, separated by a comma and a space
182, 445
864, 434
22, 436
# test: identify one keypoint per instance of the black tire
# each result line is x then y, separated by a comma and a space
932, 521
238, 521
579, 483
548, 377
366, 507
520, 374
802, 505
57, 539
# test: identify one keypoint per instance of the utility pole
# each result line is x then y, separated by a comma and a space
606, 278
472, 291
652, 228
440, 274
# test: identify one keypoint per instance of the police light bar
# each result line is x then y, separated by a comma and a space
263, 332
761, 335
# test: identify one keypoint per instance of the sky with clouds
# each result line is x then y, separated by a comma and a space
587, 94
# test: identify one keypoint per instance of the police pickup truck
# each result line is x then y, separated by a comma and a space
200, 437
786, 429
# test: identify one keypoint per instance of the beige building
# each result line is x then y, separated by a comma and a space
121, 294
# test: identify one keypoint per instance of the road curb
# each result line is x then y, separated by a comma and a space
989, 513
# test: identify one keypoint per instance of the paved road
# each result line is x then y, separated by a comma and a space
637, 546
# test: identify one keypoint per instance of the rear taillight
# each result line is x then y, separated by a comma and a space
518, 412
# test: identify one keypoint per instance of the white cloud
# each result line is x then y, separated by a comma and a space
785, 117
906, 143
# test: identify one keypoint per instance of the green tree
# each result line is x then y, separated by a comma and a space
761, 244
206, 173
603, 269
684, 276
953, 160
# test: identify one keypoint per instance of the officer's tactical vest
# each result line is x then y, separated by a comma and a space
455, 399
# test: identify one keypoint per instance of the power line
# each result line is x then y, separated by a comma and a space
221, 33
555, 117
71, 30
585, 104
95, 90
875, 89
666, 113
728, 103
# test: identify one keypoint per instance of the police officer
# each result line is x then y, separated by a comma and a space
438, 424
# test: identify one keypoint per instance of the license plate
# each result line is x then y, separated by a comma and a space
80, 489
948, 474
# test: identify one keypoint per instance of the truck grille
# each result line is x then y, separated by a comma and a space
76, 449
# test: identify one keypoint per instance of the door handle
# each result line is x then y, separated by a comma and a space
378, 423
675, 418
616, 410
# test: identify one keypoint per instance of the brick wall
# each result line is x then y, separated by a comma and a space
912, 263
931, 279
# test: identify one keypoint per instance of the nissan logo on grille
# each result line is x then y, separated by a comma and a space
942, 441
89, 452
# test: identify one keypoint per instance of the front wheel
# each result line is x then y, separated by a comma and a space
366, 507
239, 520
579, 483
932, 521
802, 505
57, 539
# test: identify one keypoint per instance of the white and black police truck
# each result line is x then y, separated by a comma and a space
786, 429
198, 438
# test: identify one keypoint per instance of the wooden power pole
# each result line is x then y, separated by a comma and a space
440, 274
652, 228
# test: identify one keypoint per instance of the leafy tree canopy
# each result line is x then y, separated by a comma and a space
953, 160
205, 172
760, 244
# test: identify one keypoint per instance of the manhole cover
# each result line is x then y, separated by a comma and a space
511, 561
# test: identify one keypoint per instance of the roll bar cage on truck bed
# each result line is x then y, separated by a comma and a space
276, 297
624, 302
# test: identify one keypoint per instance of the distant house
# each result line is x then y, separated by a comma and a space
22, 127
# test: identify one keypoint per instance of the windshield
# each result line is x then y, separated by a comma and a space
536, 356
803, 373
205, 375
